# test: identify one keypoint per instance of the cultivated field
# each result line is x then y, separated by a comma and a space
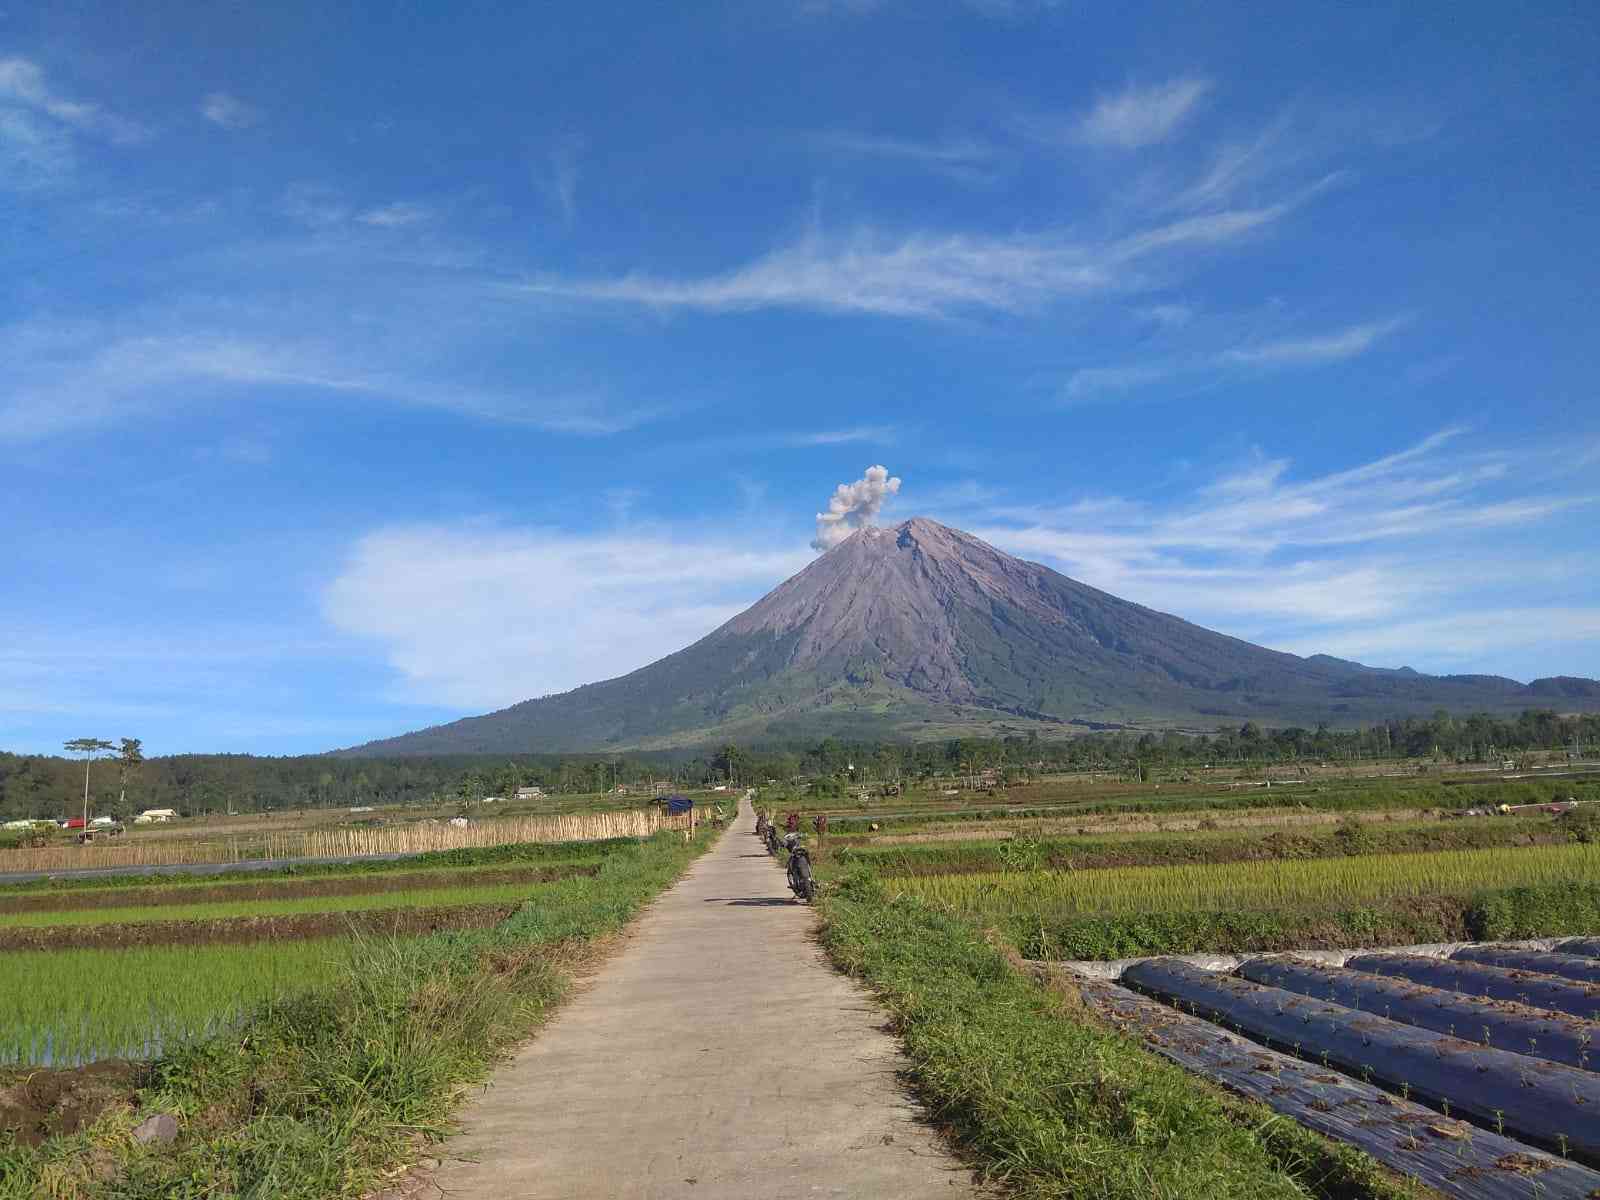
958, 908
309, 1023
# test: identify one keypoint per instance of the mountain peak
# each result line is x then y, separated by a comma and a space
923, 630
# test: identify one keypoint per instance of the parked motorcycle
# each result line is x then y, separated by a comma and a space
800, 880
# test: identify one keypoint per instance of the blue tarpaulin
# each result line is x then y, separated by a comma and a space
677, 805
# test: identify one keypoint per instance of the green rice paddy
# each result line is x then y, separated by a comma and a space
68, 1007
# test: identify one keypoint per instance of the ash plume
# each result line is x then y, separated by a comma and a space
854, 505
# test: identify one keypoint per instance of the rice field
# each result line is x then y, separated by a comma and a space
216, 910
1277, 884
69, 1007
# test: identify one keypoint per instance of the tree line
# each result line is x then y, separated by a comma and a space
120, 781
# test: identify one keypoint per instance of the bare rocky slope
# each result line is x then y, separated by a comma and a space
922, 630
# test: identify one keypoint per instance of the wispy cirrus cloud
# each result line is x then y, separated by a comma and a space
841, 437
1139, 116
1313, 350
69, 378
229, 112
23, 83
1328, 347
962, 158
927, 275
395, 215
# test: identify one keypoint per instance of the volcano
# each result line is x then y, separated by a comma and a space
924, 631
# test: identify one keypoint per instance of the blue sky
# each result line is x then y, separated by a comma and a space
369, 366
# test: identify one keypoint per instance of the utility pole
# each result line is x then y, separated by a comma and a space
88, 747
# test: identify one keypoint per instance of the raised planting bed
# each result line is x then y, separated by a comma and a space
1443, 1153
1569, 966
1536, 1100
1532, 988
1502, 1024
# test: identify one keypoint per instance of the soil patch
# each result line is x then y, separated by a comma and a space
237, 930
286, 889
40, 1102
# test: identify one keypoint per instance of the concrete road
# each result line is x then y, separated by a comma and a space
718, 1056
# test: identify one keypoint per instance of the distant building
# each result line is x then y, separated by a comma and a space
150, 815
530, 793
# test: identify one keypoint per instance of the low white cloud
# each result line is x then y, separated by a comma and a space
228, 111
484, 617
1142, 116
1460, 638
1328, 563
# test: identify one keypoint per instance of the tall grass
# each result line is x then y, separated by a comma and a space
67, 1007
1281, 884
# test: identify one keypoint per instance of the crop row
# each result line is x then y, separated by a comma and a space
437, 897
1257, 885
1200, 847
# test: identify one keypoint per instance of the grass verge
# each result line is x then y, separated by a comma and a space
318, 1094
1052, 1105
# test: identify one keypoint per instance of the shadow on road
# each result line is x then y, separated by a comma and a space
746, 901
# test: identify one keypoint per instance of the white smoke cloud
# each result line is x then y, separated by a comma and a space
854, 505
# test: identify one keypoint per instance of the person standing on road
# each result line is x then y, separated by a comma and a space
792, 823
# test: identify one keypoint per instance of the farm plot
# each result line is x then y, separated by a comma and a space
1513, 1070
176, 910
1368, 900
88, 972
917, 921
67, 1007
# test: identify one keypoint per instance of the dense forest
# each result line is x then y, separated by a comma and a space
52, 786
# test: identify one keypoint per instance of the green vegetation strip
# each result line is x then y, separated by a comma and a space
317, 1094
367, 902
1563, 910
1202, 846
1052, 1104
1257, 885
510, 854
1058, 802
62, 1008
